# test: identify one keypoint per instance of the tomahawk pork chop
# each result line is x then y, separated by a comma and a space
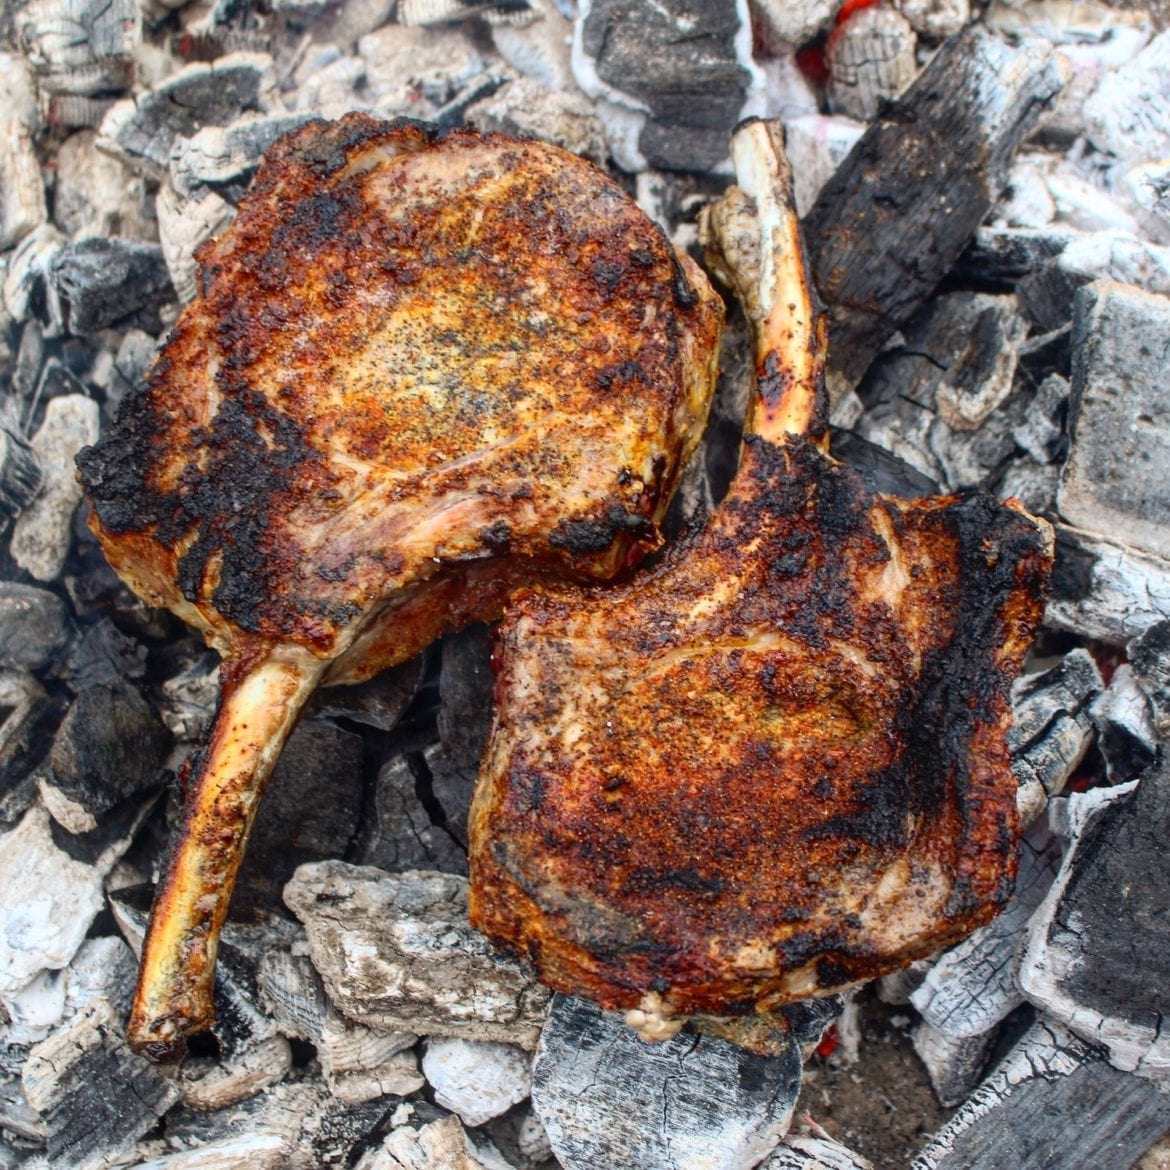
774, 764
422, 369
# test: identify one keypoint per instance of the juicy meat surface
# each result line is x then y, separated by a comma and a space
411, 354
773, 765
422, 369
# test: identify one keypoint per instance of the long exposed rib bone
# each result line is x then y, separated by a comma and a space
753, 244
260, 698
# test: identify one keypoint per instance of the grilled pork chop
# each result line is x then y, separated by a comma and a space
422, 370
774, 764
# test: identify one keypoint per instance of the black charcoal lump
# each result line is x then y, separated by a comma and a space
106, 282
679, 61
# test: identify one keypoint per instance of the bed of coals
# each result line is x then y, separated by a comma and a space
985, 189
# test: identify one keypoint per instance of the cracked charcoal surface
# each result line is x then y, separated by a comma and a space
1099, 960
607, 1098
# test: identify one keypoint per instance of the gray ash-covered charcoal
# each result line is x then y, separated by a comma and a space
917, 185
805, 1152
974, 986
953, 1063
680, 62
1124, 719
870, 58
110, 746
1117, 477
310, 811
296, 1126
1101, 589
29, 291
1041, 432
28, 718
111, 282
1052, 1103
607, 1098
478, 1079
95, 1096
1051, 726
20, 472
381, 702
36, 628
104, 655
143, 131
43, 532
1100, 944
80, 46
226, 157
396, 951
1149, 654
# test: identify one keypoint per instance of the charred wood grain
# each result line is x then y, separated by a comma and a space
902, 207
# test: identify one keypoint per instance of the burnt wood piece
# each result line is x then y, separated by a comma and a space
311, 812
1124, 718
973, 986
917, 185
111, 746
395, 951
1100, 944
465, 713
1149, 654
94, 1095
1051, 726
607, 1098
1053, 1103
35, 628
1116, 479
20, 472
28, 718
398, 832
1103, 590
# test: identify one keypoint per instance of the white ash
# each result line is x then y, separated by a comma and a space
479, 1080
871, 60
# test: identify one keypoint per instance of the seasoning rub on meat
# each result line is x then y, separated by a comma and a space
774, 764
422, 369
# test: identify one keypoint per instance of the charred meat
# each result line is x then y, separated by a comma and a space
422, 369
774, 764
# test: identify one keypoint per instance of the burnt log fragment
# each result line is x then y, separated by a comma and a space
28, 719
1052, 1103
1117, 476
607, 1098
915, 188
1101, 939
35, 628
111, 746
93, 1094
111, 282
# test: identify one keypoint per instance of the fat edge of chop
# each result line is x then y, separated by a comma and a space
421, 370
776, 765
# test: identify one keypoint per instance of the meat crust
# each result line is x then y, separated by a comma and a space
774, 765
411, 354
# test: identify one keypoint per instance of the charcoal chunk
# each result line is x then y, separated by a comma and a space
110, 746
1117, 477
607, 1098
107, 282
310, 811
1101, 939
35, 628
916, 186
1052, 1103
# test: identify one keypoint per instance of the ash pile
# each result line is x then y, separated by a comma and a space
986, 201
